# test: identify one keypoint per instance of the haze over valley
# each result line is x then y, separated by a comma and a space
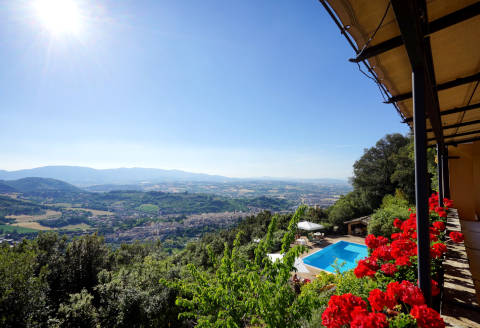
131, 204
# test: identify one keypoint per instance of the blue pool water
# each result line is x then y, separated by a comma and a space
342, 251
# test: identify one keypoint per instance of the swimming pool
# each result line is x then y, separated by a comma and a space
342, 251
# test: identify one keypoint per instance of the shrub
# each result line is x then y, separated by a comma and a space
392, 207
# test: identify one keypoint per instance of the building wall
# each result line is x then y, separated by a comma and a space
465, 179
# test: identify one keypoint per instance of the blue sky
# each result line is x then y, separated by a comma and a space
238, 88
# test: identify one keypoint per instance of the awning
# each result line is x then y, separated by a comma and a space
309, 226
452, 39
299, 266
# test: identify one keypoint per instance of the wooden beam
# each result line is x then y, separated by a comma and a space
434, 26
457, 125
450, 136
455, 110
458, 142
442, 86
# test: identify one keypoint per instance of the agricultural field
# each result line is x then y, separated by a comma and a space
31, 221
94, 212
148, 208
6, 228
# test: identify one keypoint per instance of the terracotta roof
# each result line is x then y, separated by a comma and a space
363, 219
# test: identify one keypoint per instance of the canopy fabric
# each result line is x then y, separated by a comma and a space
299, 266
455, 50
309, 226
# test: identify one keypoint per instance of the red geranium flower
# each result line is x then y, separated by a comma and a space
410, 224
367, 267
383, 253
411, 294
395, 235
371, 241
389, 269
456, 236
393, 289
361, 318
447, 202
378, 300
438, 250
441, 212
397, 223
382, 241
406, 292
427, 317
403, 247
339, 310
403, 260
440, 225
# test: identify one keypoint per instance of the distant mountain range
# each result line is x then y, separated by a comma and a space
85, 176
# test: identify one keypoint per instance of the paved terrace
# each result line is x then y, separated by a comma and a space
459, 307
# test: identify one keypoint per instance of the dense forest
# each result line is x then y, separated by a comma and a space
50, 281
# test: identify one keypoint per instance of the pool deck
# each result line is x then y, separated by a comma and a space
326, 241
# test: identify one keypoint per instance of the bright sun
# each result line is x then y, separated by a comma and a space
59, 17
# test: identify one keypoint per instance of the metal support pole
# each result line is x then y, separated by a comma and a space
421, 177
446, 174
440, 175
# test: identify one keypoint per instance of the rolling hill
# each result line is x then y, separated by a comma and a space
29, 185
4, 188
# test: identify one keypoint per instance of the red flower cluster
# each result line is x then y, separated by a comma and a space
427, 317
361, 318
352, 311
379, 300
406, 292
389, 269
340, 308
366, 268
404, 243
457, 237
433, 205
447, 202
437, 250
373, 242
386, 257
439, 225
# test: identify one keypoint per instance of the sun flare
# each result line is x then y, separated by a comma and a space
59, 17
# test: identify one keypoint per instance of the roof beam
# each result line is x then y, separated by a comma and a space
420, 55
457, 142
450, 111
442, 86
434, 26
463, 134
433, 111
457, 125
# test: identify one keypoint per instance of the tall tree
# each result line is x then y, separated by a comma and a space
373, 171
